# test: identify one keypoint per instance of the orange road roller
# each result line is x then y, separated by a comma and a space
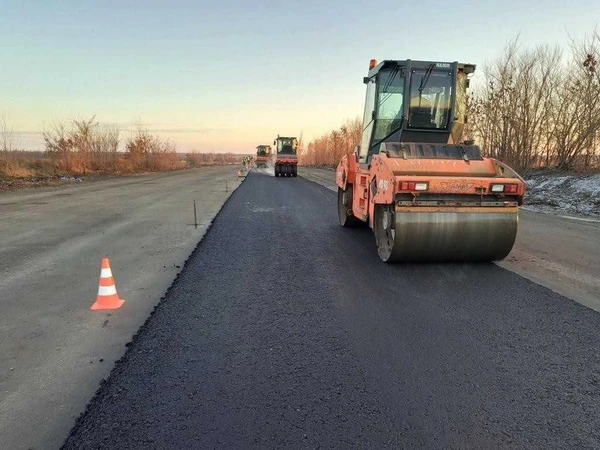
263, 154
427, 194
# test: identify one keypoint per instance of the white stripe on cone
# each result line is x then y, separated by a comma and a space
107, 290
105, 273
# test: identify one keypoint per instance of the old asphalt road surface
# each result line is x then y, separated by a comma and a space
54, 351
286, 331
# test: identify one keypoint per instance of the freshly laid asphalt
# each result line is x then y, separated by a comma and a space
285, 330
557, 251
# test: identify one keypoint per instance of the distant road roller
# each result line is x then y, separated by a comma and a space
263, 154
427, 195
286, 160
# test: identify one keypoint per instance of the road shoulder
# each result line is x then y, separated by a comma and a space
55, 350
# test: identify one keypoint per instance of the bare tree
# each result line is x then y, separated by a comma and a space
138, 146
536, 110
82, 136
510, 116
577, 117
105, 145
8, 138
59, 146
150, 152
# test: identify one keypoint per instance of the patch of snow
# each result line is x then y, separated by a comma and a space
71, 179
575, 194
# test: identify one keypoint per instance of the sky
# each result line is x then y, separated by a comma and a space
228, 75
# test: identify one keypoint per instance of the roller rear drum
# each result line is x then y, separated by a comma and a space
468, 234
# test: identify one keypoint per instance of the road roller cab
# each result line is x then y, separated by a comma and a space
427, 194
263, 153
286, 159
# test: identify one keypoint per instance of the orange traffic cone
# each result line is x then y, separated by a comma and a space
107, 291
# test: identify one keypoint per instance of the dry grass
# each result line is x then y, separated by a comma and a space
82, 148
18, 164
19, 168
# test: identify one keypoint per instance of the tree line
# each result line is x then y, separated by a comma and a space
532, 108
539, 107
81, 147
329, 148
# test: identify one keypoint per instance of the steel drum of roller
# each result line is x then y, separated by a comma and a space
467, 235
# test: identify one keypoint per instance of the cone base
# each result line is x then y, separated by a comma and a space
101, 305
